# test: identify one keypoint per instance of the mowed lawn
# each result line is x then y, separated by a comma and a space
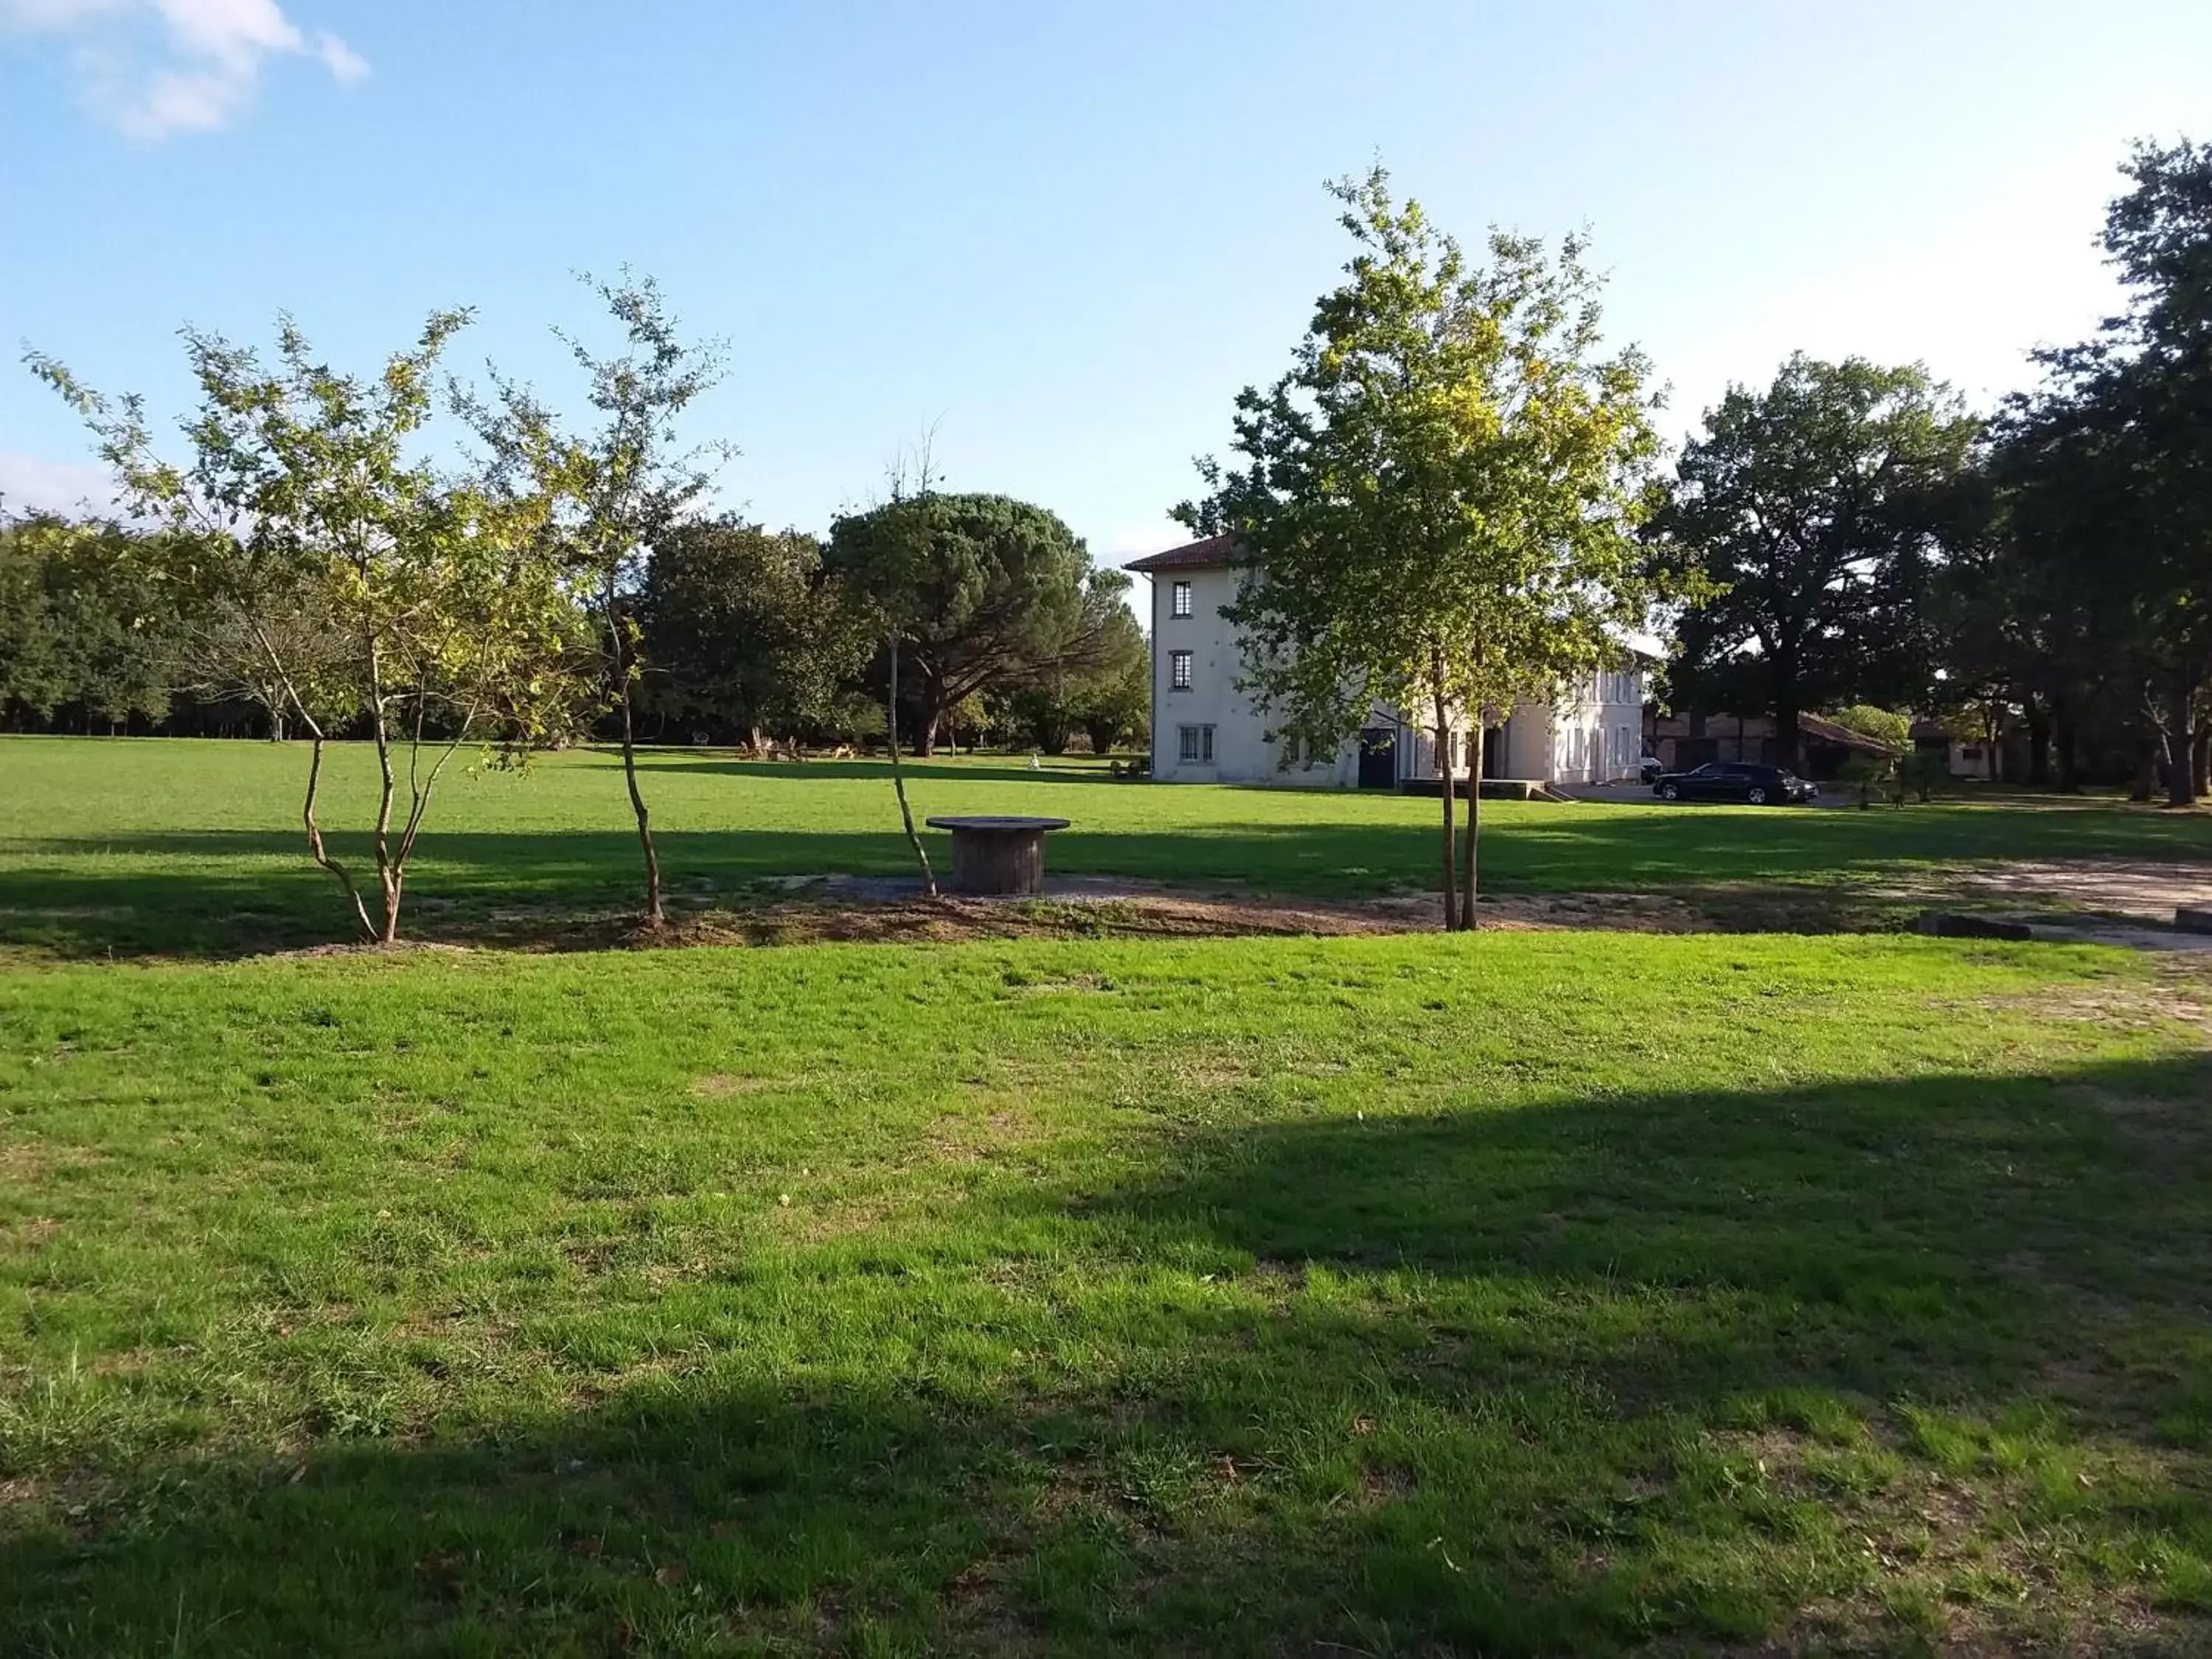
130, 847
1539, 1293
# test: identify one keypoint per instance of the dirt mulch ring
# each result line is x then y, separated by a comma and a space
879, 911
2106, 903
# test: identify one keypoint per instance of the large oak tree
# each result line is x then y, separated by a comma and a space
1815, 508
2143, 388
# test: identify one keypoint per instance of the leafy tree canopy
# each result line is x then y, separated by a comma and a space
1817, 509
1882, 725
743, 626
985, 594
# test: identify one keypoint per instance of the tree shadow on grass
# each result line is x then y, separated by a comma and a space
918, 773
228, 893
1681, 1370
222, 893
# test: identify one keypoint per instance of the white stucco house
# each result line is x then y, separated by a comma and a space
1206, 730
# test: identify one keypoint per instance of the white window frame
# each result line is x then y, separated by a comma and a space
1194, 745
1179, 600
1182, 671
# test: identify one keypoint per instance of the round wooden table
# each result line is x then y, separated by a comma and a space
998, 855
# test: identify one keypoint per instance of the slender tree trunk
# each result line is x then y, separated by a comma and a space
654, 914
387, 876
1469, 862
1469, 867
2200, 756
925, 727
1443, 766
898, 777
2181, 772
2066, 749
2146, 784
1787, 740
2039, 744
315, 847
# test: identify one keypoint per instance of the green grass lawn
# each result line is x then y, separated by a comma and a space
1512, 1293
1532, 1293
194, 848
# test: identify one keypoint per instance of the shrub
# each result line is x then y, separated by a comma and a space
1869, 777
1924, 771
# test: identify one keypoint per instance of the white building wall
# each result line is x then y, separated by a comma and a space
1596, 735
1592, 737
1241, 753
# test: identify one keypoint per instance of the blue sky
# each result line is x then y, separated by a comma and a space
1065, 234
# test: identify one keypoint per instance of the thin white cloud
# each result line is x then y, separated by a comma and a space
341, 59
32, 483
156, 67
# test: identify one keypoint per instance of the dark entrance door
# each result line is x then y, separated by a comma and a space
1379, 758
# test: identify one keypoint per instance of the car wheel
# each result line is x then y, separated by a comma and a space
1668, 792
1757, 797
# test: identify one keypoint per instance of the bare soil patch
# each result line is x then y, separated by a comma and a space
2146, 889
870, 910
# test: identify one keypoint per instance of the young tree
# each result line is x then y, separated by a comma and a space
1815, 508
988, 594
1436, 504
604, 497
877, 579
299, 483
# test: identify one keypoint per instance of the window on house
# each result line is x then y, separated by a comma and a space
1195, 743
1179, 599
1179, 673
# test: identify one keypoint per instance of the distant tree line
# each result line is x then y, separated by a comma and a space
1864, 540
744, 635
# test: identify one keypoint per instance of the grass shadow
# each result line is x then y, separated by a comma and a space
1596, 1376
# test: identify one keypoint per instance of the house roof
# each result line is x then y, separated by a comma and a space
1212, 553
